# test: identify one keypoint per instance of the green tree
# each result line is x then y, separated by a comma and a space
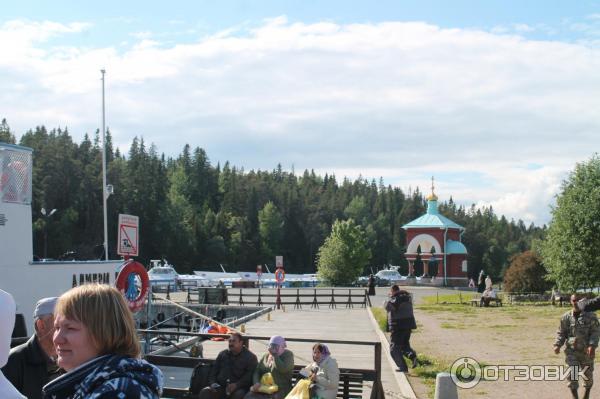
570, 250
344, 254
5, 133
270, 229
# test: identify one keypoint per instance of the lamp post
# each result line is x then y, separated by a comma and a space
105, 193
46, 216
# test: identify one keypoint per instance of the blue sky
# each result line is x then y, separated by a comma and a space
116, 20
497, 99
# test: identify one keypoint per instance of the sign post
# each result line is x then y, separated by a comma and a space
128, 240
280, 278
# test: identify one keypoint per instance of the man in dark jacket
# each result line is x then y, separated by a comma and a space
231, 374
401, 322
31, 365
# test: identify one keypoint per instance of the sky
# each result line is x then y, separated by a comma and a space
497, 99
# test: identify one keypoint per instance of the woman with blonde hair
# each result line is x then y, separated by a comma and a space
97, 344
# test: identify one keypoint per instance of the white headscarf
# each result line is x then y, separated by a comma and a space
7, 322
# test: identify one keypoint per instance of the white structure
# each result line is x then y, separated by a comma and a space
26, 280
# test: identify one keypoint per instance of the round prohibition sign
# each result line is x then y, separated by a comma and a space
133, 282
279, 275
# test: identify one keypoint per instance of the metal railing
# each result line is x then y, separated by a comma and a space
297, 297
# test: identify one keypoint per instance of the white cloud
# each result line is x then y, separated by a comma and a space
400, 100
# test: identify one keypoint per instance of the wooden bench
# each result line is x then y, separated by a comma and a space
495, 301
349, 387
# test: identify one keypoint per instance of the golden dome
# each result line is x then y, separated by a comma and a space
432, 196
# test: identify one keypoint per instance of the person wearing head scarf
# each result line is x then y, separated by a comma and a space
324, 372
279, 361
7, 323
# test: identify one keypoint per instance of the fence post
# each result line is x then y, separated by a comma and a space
259, 303
315, 303
189, 298
445, 388
377, 391
332, 303
168, 291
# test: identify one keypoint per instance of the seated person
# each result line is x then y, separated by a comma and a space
324, 373
231, 374
487, 296
278, 361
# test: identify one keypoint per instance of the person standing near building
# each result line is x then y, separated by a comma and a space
481, 282
32, 364
580, 332
401, 322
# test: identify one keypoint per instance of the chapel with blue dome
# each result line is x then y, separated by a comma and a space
436, 240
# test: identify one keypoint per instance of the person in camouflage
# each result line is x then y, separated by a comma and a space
580, 332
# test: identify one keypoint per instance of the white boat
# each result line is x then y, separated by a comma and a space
163, 276
28, 281
216, 278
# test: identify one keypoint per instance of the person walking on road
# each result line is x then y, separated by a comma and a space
401, 322
580, 332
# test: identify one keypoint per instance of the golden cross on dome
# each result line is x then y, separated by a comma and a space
432, 186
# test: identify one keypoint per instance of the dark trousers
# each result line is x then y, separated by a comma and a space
400, 347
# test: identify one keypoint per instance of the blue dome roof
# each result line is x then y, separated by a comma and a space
455, 247
432, 219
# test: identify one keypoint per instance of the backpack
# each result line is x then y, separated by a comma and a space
200, 377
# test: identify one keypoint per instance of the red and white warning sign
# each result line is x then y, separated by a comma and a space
128, 235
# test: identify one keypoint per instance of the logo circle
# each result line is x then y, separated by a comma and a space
465, 372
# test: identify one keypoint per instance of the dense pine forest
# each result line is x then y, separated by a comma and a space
199, 215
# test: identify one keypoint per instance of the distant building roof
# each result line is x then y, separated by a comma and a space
432, 218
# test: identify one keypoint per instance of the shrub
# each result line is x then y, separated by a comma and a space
526, 274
